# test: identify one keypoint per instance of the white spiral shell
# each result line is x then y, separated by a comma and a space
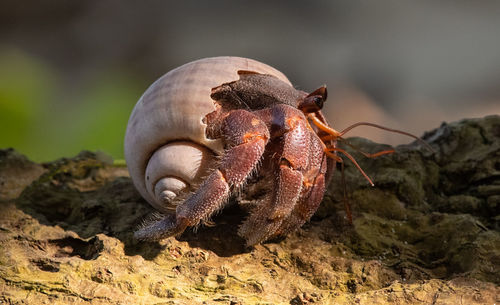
165, 145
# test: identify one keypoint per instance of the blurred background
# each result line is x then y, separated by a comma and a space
71, 71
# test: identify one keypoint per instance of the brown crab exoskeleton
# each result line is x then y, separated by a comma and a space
261, 119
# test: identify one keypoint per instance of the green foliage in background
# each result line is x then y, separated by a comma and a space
47, 117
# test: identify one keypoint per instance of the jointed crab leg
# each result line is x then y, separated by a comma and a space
246, 137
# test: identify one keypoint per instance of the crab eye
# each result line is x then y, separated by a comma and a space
311, 104
318, 101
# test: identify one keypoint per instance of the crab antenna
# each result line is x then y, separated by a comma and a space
328, 151
388, 129
368, 155
335, 134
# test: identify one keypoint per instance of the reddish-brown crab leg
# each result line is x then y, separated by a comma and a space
246, 137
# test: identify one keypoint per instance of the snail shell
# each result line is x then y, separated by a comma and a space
166, 150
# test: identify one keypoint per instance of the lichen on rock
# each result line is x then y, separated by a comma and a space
428, 232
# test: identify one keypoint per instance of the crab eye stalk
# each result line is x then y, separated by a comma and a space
314, 101
311, 104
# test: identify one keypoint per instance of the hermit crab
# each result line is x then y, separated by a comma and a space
202, 130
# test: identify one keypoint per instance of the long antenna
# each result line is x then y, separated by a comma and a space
349, 128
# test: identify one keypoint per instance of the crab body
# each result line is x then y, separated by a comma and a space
262, 123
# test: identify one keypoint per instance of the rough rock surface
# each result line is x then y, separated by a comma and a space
427, 233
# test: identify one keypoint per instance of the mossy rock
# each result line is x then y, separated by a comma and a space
427, 232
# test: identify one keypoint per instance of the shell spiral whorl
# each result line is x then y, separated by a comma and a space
166, 149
